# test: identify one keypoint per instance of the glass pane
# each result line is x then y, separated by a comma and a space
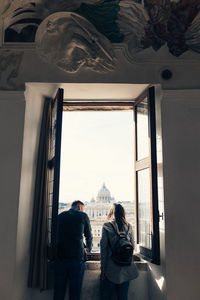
144, 208
142, 130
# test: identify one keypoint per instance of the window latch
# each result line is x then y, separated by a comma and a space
161, 217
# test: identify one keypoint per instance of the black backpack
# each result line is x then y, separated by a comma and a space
122, 251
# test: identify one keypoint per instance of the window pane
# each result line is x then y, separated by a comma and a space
142, 130
144, 209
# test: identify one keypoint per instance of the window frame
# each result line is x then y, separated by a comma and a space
52, 189
103, 105
153, 254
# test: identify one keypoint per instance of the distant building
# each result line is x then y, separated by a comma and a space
63, 206
97, 210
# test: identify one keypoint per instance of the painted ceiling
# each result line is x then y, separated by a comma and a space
73, 34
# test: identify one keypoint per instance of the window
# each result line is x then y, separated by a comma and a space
147, 216
53, 170
146, 200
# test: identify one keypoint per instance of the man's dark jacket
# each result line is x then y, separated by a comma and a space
72, 225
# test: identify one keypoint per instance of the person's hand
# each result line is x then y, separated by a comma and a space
88, 252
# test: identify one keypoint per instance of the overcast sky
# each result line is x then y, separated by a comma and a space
97, 148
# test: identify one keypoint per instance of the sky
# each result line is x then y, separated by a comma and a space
97, 148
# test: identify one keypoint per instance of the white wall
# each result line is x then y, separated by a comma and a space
12, 107
181, 149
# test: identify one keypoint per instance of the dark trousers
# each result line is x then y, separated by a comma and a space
68, 271
108, 288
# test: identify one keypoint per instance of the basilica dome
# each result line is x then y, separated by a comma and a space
104, 195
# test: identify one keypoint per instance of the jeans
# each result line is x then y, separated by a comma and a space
108, 287
71, 271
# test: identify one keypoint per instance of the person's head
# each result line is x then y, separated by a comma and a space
78, 204
117, 213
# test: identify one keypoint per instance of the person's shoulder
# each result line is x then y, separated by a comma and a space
129, 225
82, 214
63, 213
107, 226
78, 213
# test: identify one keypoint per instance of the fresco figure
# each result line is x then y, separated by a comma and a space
70, 42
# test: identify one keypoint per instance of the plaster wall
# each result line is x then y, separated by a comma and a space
31, 136
12, 106
181, 165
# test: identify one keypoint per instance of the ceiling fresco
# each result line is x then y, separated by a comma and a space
89, 31
70, 41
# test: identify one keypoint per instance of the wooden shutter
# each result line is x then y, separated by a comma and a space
53, 172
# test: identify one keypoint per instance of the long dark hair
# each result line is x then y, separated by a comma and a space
117, 212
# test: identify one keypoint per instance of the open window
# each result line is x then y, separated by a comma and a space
146, 204
46, 193
53, 170
146, 201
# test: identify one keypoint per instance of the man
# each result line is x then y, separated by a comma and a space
70, 265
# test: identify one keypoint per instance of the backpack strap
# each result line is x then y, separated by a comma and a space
128, 229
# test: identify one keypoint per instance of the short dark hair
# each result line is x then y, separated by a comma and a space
77, 202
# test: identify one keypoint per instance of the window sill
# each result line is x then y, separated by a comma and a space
93, 262
96, 257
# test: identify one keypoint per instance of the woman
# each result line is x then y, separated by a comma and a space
114, 276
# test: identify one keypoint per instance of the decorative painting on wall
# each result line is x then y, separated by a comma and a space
87, 32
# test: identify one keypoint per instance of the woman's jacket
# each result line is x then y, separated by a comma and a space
115, 273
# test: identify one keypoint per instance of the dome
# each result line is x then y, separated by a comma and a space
104, 194
92, 200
